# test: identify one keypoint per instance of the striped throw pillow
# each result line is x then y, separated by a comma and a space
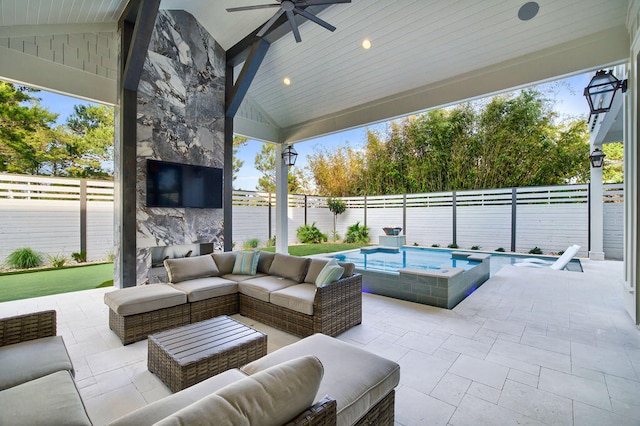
246, 263
330, 273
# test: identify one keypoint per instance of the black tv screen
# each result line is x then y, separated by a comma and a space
183, 185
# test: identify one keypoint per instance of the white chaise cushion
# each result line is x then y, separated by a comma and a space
270, 397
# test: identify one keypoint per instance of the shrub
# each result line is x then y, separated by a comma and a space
335, 236
475, 247
416, 244
251, 244
79, 256
58, 260
271, 242
435, 245
110, 256
24, 258
357, 234
309, 234
500, 249
453, 245
535, 250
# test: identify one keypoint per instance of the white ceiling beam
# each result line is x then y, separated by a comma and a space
46, 30
32, 71
581, 55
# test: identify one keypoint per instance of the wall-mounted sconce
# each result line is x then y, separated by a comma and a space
601, 90
289, 156
597, 158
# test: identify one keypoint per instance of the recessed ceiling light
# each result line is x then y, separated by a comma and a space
287, 81
528, 11
366, 44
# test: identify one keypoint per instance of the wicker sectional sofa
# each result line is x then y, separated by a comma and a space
282, 293
36, 374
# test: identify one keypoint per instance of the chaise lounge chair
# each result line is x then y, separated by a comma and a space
559, 264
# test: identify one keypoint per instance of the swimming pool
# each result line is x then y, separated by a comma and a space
391, 260
436, 277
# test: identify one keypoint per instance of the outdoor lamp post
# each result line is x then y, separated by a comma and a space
601, 90
597, 158
289, 156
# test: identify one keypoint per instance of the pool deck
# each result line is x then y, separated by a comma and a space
529, 347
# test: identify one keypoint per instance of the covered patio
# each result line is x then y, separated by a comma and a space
528, 347
535, 347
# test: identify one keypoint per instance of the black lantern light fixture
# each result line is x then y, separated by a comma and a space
597, 158
601, 90
289, 156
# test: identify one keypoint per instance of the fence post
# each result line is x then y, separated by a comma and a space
404, 214
365, 210
305, 209
453, 204
83, 216
514, 204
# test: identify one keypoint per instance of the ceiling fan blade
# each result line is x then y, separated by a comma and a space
269, 23
319, 2
314, 18
294, 25
260, 6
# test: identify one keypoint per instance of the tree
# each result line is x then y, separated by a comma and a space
266, 163
337, 172
336, 206
238, 142
93, 145
613, 171
23, 124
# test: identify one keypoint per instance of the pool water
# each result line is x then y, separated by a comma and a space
431, 259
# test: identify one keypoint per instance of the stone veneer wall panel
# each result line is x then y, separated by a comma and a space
180, 119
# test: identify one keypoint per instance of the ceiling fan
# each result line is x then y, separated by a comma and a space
291, 8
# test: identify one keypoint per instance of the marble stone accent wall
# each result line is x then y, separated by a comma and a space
180, 119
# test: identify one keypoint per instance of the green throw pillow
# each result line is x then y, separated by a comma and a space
246, 263
330, 273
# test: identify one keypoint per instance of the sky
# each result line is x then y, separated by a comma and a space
568, 94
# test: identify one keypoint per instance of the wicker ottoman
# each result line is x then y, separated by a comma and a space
136, 312
188, 355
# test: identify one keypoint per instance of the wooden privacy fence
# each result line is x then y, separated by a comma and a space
61, 216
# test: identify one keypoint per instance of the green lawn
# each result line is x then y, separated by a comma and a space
23, 285
309, 249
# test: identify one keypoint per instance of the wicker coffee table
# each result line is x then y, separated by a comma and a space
186, 355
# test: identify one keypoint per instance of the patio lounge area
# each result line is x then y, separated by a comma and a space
528, 347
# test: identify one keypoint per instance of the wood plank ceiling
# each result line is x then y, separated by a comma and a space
415, 43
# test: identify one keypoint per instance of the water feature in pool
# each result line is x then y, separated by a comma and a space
390, 260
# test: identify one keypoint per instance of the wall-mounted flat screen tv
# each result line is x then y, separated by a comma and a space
183, 185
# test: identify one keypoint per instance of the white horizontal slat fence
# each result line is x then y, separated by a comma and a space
44, 213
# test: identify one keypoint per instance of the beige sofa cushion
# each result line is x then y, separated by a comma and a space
29, 360
261, 288
355, 378
268, 398
298, 298
225, 261
294, 268
206, 288
188, 268
266, 259
144, 298
50, 400
158, 410
316, 266
238, 278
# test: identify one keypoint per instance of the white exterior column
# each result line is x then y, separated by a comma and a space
596, 213
282, 203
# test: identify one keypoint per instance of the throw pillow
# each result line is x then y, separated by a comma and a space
246, 263
330, 273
